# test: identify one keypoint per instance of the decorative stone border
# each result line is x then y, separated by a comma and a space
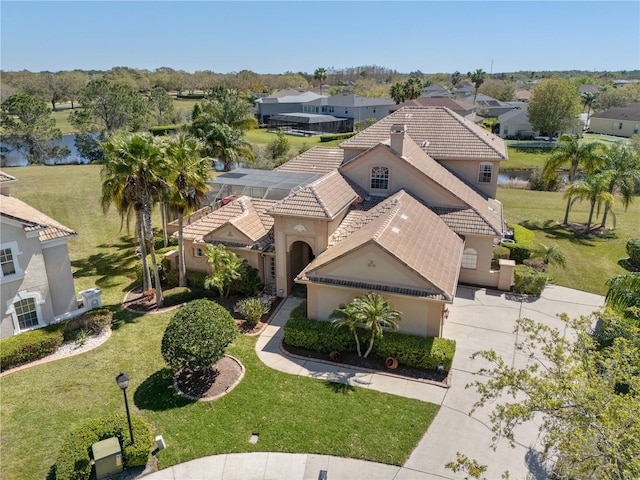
215, 397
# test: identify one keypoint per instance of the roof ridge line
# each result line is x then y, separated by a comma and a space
451, 113
391, 213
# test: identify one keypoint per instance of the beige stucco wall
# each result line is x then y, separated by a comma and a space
482, 274
34, 278
420, 316
61, 288
468, 170
199, 264
608, 126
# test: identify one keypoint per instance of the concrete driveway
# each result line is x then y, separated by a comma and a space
479, 319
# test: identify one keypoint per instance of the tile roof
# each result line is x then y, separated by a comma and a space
324, 198
4, 177
409, 232
443, 133
483, 216
34, 220
315, 160
245, 214
450, 103
630, 112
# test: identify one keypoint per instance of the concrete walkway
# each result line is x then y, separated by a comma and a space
479, 319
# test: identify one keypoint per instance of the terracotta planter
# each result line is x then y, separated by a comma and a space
335, 356
391, 363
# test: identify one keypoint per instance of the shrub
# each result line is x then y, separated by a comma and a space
164, 129
252, 309
178, 296
30, 346
410, 350
249, 282
633, 250
518, 252
198, 335
73, 462
336, 136
196, 279
528, 281
500, 252
92, 322
538, 182
523, 236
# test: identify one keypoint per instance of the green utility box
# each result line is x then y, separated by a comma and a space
107, 456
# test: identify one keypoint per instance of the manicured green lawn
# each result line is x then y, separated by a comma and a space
524, 159
590, 261
292, 414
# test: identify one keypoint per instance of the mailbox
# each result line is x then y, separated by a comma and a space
107, 456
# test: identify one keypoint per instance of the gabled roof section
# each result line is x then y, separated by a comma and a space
443, 134
315, 160
352, 100
450, 103
5, 177
413, 235
34, 220
630, 112
483, 215
324, 198
245, 214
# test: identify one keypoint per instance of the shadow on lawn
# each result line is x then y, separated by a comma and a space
157, 393
119, 259
555, 231
343, 388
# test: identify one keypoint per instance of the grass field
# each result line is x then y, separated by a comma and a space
292, 414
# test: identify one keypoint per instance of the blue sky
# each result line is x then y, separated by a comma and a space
274, 37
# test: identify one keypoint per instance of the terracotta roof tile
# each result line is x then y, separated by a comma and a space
315, 160
33, 220
444, 134
410, 232
324, 198
4, 177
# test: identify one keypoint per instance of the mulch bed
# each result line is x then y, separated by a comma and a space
373, 363
210, 382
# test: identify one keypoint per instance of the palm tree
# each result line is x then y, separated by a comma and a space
346, 316
624, 166
549, 254
623, 294
574, 153
131, 179
589, 99
320, 75
477, 78
413, 88
187, 180
375, 312
397, 92
455, 78
226, 267
228, 145
594, 189
228, 108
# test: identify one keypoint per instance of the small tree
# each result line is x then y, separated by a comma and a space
198, 335
226, 267
345, 316
279, 146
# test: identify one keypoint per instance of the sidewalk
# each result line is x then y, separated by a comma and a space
479, 319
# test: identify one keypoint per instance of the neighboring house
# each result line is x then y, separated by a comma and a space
435, 91
464, 109
523, 96
489, 107
618, 121
464, 89
409, 212
351, 106
592, 89
283, 101
515, 125
308, 124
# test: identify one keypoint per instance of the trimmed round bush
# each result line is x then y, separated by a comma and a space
528, 281
633, 250
73, 462
198, 335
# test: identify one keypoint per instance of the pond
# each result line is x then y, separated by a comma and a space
17, 160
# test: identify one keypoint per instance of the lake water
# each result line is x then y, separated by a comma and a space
15, 160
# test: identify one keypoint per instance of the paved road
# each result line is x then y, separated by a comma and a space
479, 319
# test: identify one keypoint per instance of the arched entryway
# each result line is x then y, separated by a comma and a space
299, 256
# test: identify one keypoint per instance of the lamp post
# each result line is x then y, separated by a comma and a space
123, 383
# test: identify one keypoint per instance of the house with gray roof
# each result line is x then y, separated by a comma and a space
464, 109
405, 208
351, 106
283, 101
435, 91
618, 121
515, 125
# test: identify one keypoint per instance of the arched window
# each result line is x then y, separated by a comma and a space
379, 178
484, 175
469, 258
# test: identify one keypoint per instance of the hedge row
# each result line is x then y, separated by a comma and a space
410, 350
73, 462
633, 250
30, 346
529, 281
336, 136
523, 235
522, 249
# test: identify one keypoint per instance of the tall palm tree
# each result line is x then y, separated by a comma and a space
131, 179
477, 78
228, 145
228, 109
623, 294
413, 88
320, 75
570, 150
346, 316
375, 312
594, 189
624, 166
397, 92
187, 179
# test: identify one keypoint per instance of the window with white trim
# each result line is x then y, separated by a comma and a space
469, 258
7, 262
379, 178
197, 252
26, 313
484, 175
